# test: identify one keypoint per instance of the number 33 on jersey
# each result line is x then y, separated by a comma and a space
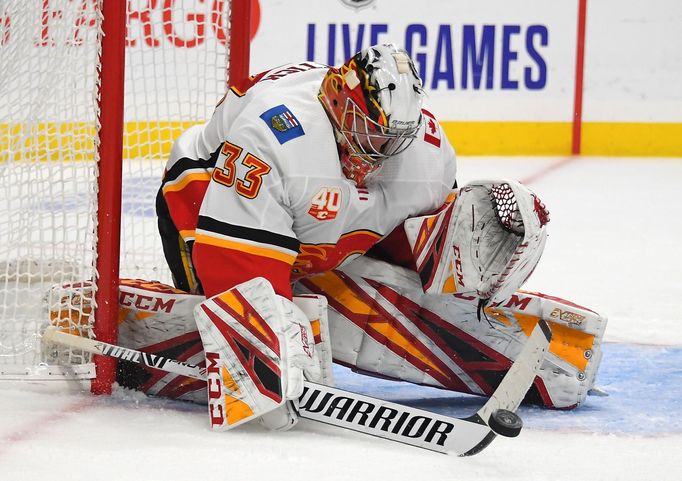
324, 205
226, 174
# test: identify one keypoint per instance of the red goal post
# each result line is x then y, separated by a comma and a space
97, 90
112, 80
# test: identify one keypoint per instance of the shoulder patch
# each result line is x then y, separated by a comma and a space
431, 129
282, 123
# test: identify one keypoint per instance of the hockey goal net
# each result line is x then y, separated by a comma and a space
62, 160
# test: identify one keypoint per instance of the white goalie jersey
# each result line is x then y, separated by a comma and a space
259, 189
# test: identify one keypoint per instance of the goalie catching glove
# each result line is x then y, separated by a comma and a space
485, 242
259, 347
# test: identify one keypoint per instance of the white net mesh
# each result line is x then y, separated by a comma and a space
175, 74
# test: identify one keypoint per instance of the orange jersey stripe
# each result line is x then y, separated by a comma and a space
247, 248
181, 182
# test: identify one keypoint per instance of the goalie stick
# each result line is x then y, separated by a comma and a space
377, 417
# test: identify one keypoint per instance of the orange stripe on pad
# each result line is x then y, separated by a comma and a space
449, 287
332, 285
387, 330
236, 409
499, 316
315, 327
569, 344
228, 382
235, 304
231, 300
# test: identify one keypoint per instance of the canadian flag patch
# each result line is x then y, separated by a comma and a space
431, 129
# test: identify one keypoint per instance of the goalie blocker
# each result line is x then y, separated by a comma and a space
259, 348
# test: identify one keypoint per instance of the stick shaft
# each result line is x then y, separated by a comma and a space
392, 421
52, 334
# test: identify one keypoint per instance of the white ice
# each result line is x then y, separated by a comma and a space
615, 232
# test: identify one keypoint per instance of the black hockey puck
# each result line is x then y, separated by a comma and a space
505, 423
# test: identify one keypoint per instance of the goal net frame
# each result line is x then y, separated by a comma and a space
112, 28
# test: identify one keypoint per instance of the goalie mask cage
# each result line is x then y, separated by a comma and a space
92, 95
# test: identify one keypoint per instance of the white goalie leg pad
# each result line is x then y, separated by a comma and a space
485, 242
155, 317
258, 346
382, 323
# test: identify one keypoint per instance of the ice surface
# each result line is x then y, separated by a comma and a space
613, 247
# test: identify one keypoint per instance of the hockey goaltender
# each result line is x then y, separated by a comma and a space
316, 217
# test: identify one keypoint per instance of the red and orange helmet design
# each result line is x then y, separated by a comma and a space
374, 102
